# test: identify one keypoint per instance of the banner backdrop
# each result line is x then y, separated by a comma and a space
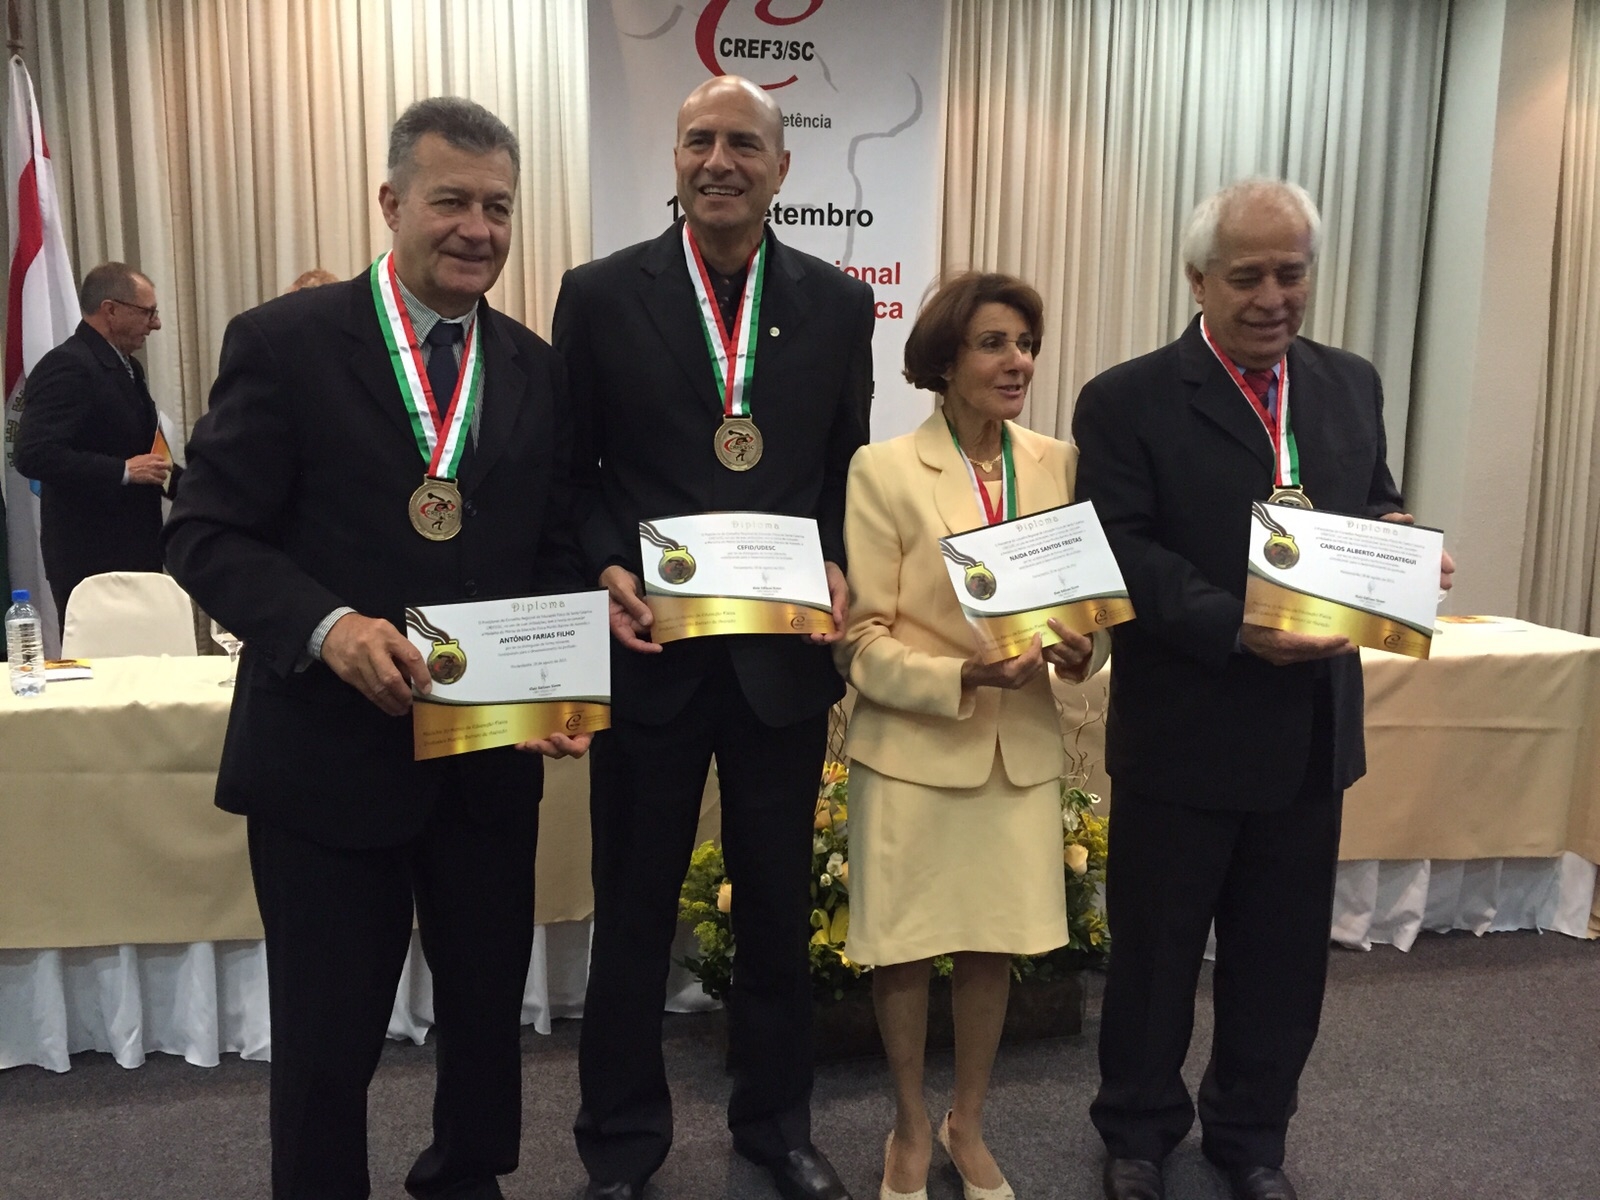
861, 86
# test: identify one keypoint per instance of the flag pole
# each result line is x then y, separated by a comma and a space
13, 28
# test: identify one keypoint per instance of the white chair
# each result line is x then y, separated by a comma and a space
122, 613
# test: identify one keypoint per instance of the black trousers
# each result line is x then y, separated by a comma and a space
645, 788
338, 923
1267, 879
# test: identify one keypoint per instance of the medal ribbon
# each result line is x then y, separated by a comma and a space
1285, 453
1007, 508
733, 352
441, 436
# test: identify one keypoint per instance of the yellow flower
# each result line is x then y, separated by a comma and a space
1077, 858
725, 897
834, 772
842, 876
841, 924
824, 816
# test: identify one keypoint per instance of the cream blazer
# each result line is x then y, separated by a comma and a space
906, 638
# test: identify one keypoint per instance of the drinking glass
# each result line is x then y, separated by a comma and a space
232, 644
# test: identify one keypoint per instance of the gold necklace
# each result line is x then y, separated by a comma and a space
983, 464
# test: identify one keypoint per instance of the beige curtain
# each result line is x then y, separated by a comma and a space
1560, 580
1080, 134
225, 146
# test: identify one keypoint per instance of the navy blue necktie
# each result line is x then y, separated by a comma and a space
443, 370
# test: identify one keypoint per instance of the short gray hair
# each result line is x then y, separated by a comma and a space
465, 124
108, 281
1199, 245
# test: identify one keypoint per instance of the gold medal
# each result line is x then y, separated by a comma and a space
1294, 497
738, 444
447, 662
435, 509
980, 581
1281, 551
676, 566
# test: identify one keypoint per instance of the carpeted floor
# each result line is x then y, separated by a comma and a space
1468, 1069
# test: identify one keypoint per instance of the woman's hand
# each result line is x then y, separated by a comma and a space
1071, 656
1011, 674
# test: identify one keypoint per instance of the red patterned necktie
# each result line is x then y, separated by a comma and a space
1260, 383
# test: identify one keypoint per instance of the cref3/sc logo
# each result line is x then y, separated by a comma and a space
713, 49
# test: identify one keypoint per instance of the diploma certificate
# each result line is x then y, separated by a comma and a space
1012, 578
734, 572
505, 671
1374, 582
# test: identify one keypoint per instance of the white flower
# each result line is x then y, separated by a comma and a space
826, 880
1076, 858
819, 845
834, 860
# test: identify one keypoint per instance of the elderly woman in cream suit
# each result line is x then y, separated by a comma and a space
955, 818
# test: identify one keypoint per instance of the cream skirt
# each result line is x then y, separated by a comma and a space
938, 870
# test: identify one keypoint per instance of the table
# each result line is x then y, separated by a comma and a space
127, 918
1480, 808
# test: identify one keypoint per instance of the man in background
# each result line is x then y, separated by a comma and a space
299, 529
636, 330
88, 435
1229, 745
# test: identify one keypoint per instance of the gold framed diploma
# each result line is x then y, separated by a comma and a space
1013, 577
734, 572
1374, 582
505, 671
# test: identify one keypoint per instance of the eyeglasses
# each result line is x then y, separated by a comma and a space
996, 343
152, 313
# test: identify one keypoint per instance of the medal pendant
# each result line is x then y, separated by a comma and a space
447, 662
738, 444
676, 566
1281, 551
980, 581
1293, 497
435, 509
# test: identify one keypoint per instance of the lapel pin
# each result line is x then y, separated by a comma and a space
773, 331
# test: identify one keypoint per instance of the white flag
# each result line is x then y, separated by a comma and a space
41, 313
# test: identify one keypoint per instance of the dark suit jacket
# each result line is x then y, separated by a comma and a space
1172, 456
295, 504
641, 379
82, 420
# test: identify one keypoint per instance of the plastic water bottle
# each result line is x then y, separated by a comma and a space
24, 646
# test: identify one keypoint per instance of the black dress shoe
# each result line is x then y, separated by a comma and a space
613, 1191
1259, 1183
806, 1175
1133, 1179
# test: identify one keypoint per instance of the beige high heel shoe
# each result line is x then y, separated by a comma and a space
971, 1191
885, 1192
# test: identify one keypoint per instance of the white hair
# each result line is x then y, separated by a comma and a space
1200, 235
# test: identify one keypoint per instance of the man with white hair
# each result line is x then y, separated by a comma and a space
1229, 745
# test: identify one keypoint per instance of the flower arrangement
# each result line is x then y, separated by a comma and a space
707, 897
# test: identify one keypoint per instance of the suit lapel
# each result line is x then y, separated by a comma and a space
504, 382
1218, 398
130, 387
371, 365
785, 310
952, 491
669, 298
1037, 490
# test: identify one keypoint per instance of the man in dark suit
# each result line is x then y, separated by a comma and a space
88, 435
1229, 745
296, 529
635, 331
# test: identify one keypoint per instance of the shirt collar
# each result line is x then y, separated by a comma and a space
423, 318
